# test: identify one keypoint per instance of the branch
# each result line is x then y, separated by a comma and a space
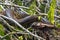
21, 26
44, 14
14, 5
11, 33
4, 22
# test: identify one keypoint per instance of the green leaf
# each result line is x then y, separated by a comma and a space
58, 25
1, 30
0, 8
51, 11
39, 17
31, 10
20, 38
42, 7
18, 2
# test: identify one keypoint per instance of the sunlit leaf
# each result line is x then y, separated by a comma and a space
20, 38
39, 17
1, 30
51, 11
0, 8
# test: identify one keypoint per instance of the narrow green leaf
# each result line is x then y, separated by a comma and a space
0, 8
51, 11
1, 30
31, 10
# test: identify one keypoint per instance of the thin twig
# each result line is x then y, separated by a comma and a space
44, 14
21, 27
3, 21
14, 5
11, 33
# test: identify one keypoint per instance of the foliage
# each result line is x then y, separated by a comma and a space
0, 8
20, 38
52, 11
41, 22
18, 2
32, 9
42, 7
1, 30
